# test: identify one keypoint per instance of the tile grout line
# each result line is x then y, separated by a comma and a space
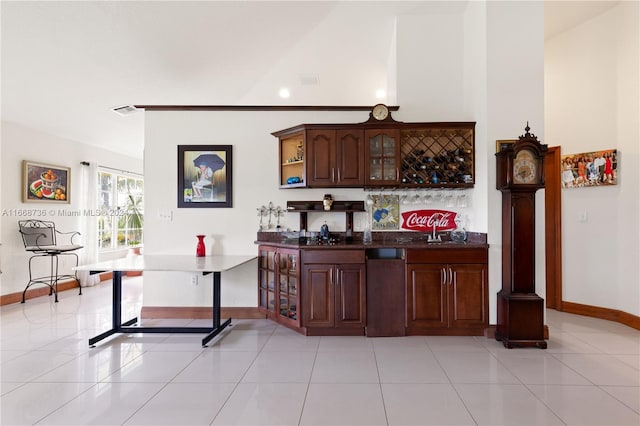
384, 405
453, 386
306, 393
523, 384
242, 377
164, 386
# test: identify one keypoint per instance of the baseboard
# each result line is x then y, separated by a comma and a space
199, 312
621, 317
490, 332
43, 290
625, 318
36, 291
109, 275
104, 276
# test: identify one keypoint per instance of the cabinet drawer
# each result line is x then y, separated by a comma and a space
333, 256
476, 255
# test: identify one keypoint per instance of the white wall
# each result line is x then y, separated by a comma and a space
434, 83
501, 85
475, 104
430, 67
255, 183
484, 65
592, 103
21, 143
514, 95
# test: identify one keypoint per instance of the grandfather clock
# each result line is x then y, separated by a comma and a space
520, 173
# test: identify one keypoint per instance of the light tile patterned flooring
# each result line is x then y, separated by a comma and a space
259, 373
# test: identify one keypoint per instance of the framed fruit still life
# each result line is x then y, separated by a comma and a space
45, 183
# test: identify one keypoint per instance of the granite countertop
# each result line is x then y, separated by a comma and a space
386, 239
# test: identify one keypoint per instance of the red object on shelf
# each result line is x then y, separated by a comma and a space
200, 248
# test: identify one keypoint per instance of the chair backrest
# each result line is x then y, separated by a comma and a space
37, 233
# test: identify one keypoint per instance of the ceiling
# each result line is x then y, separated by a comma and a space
66, 64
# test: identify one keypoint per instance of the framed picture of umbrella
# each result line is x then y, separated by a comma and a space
204, 176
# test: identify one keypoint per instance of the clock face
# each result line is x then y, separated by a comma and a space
380, 112
525, 168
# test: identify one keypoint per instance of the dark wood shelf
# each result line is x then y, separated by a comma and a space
304, 207
317, 206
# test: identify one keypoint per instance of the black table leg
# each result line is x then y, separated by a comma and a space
216, 299
217, 327
116, 310
117, 326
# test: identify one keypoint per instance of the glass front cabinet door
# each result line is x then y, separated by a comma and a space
279, 279
266, 280
383, 157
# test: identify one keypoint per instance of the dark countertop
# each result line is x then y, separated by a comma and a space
410, 240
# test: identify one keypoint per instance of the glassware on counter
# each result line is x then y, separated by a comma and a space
459, 234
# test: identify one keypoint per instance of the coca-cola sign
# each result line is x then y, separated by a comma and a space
424, 220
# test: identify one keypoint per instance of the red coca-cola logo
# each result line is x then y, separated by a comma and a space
424, 220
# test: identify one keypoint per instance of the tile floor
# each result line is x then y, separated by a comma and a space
259, 373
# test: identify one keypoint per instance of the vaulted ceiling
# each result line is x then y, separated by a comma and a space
66, 64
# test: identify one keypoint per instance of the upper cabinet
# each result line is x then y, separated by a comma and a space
378, 154
335, 158
383, 157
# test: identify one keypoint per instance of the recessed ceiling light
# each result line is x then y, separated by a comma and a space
309, 79
125, 109
381, 94
284, 93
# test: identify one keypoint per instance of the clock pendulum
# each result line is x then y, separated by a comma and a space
519, 174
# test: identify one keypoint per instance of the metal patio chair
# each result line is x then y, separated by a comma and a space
39, 238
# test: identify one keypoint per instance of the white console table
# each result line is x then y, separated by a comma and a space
183, 263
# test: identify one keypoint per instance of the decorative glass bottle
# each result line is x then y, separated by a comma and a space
366, 234
459, 234
200, 248
324, 231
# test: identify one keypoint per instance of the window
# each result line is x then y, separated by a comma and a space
120, 210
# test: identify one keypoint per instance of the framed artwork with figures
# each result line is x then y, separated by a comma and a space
385, 212
204, 176
590, 169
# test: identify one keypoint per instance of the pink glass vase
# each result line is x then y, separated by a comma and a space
200, 248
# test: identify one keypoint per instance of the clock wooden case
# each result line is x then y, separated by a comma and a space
380, 112
520, 173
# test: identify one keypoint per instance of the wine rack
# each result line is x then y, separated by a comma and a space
437, 157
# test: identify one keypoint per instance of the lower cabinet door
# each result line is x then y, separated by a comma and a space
350, 298
468, 305
334, 295
426, 296
318, 295
266, 280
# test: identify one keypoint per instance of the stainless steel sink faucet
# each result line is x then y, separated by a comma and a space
434, 237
